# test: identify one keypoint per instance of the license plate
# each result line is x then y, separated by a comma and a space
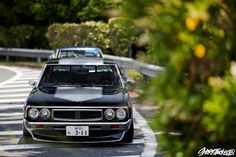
77, 131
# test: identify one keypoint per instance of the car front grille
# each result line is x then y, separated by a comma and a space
77, 114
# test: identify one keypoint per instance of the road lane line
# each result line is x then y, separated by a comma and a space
6, 107
34, 73
14, 95
150, 143
14, 86
11, 101
11, 114
12, 118
17, 82
25, 146
18, 75
26, 78
11, 122
10, 133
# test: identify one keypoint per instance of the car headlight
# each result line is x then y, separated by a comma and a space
33, 113
120, 114
109, 114
44, 114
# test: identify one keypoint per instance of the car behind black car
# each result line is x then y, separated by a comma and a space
79, 101
78, 52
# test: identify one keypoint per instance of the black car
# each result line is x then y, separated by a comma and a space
78, 52
79, 101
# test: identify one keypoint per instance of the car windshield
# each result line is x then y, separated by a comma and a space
78, 53
80, 75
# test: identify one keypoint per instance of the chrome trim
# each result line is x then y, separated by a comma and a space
119, 75
41, 116
33, 118
86, 63
37, 139
88, 119
78, 123
79, 107
31, 133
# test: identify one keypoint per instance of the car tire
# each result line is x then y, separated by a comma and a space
129, 135
25, 131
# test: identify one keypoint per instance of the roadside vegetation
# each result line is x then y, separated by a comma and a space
24, 24
114, 37
195, 42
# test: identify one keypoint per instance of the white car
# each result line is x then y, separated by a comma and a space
78, 52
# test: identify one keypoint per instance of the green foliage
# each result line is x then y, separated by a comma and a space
117, 35
88, 33
21, 36
195, 41
3, 36
39, 14
65, 32
17, 36
94, 33
122, 35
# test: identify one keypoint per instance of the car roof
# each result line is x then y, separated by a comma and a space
78, 47
79, 61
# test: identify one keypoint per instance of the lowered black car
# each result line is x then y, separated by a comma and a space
79, 101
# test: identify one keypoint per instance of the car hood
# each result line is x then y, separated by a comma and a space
75, 96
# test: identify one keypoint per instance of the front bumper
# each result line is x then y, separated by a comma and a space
98, 131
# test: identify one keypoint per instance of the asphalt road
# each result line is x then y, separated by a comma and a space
5, 74
12, 96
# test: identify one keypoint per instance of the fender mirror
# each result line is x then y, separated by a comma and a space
33, 83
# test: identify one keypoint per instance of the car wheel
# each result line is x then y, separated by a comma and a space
129, 135
25, 131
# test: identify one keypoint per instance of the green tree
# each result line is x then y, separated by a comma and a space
118, 35
196, 42
39, 14
122, 34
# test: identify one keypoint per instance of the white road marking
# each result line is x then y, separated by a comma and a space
15, 90
136, 127
14, 86
11, 114
12, 118
37, 73
14, 95
11, 122
137, 141
26, 78
6, 107
18, 75
150, 143
19, 82
25, 146
9, 133
12, 101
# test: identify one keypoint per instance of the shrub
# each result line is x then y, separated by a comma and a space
117, 35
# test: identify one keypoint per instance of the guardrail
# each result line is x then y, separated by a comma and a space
123, 62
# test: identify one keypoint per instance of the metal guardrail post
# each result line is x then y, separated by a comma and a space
7, 58
38, 60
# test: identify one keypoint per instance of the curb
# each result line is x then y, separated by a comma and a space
150, 143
